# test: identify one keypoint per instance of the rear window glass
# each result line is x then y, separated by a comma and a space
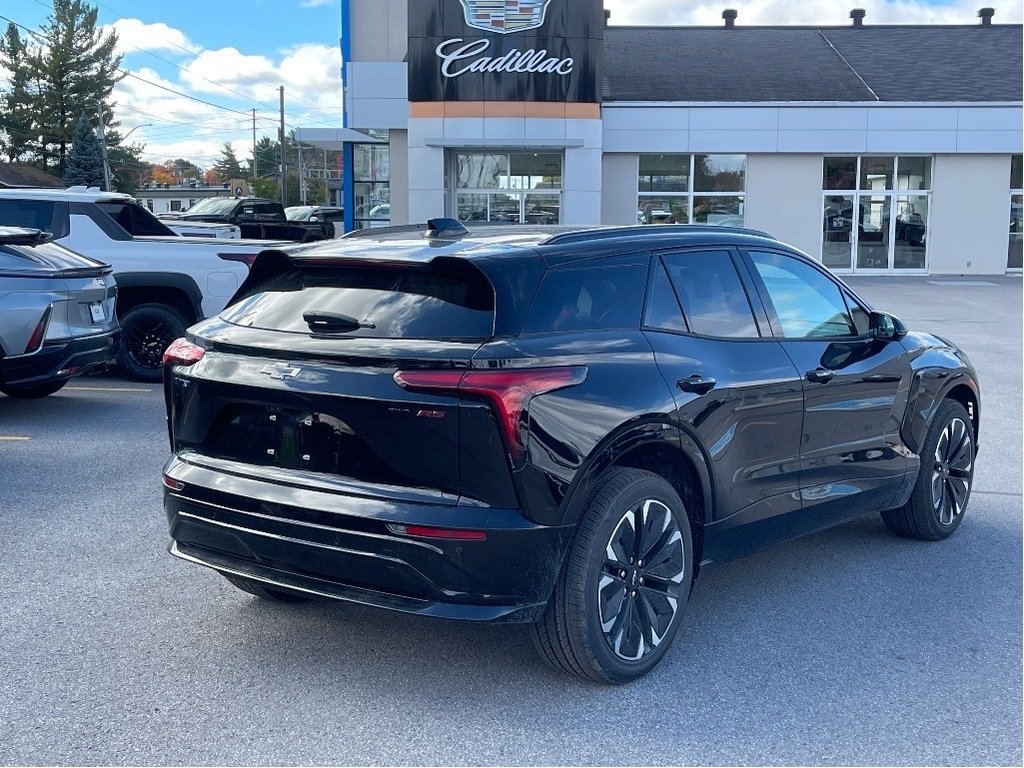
46, 215
446, 303
135, 219
588, 298
711, 293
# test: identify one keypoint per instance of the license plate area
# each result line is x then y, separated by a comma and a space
295, 439
96, 312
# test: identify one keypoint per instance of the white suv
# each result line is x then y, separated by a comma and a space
165, 282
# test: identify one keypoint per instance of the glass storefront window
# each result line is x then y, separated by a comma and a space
1014, 255
873, 232
876, 173
911, 232
371, 168
837, 223
721, 211
720, 173
698, 189
914, 173
664, 173
518, 188
482, 171
882, 221
840, 173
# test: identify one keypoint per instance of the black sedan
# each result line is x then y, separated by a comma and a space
562, 429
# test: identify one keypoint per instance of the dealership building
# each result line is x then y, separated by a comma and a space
877, 149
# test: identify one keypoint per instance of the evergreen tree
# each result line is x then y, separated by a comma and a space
16, 103
228, 166
84, 163
77, 67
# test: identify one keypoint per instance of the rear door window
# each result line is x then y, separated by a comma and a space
589, 298
713, 298
450, 302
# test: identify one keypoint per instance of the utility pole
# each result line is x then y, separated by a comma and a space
103, 151
327, 186
253, 169
302, 178
284, 167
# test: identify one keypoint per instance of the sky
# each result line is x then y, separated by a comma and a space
235, 53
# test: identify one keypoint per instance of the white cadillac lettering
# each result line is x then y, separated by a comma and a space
460, 57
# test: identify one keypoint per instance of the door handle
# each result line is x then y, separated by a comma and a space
699, 385
820, 375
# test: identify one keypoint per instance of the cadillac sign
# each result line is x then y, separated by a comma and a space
505, 50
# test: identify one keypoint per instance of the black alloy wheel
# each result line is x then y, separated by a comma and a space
944, 482
146, 332
621, 595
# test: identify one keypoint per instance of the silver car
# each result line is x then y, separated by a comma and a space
56, 314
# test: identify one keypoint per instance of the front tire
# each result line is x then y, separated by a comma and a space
943, 488
33, 392
624, 587
146, 332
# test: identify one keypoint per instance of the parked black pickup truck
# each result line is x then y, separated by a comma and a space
257, 218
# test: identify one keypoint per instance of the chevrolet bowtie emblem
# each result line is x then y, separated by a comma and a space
281, 371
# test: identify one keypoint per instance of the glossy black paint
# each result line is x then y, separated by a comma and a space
759, 451
572, 29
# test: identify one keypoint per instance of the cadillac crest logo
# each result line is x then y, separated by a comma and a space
505, 16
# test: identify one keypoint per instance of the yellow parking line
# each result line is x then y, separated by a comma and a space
12, 439
105, 389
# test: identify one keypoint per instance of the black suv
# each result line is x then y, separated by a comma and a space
514, 425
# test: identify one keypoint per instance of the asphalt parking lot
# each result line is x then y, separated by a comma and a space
848, 647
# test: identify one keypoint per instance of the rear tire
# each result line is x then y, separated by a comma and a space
33, 392
146, 332
264, 592
943, 488
613, 616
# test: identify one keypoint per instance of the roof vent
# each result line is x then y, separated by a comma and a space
607, 17
730, 14
858, 14
986, 14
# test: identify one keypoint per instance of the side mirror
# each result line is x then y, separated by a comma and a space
886, 327
314, 218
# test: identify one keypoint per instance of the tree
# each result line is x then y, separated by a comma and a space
77, 68
127, 168
228, 167
84, 163
161, 175
16, 102
213, 177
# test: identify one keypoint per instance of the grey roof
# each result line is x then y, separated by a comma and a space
25, 175
756, 64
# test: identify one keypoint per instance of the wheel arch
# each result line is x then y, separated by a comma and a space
928, 390
175, 290
659, 447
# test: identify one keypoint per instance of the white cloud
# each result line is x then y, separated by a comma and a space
823, 12
317, 3
136, 35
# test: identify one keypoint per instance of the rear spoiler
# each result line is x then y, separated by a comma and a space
23, 236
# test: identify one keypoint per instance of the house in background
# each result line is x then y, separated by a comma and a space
25, 175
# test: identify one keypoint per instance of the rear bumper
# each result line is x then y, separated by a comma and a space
61, 359
340, 545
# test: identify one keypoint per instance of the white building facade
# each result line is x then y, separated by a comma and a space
824, 137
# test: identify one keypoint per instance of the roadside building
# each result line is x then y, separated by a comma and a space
15, 175
161, 198
877, 149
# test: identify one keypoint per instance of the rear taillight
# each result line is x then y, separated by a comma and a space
429, 532
508, 391
172, 484
242, 258
183, 352
35, 341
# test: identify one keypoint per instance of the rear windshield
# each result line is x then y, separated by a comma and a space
135, 219
213, 206
450, 302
